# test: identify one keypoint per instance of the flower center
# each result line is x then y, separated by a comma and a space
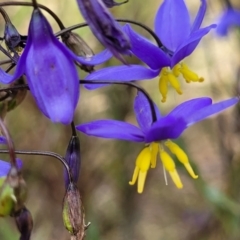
148, 156
168, 76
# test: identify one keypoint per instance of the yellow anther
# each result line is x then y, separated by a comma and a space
182, 157
189, 75
163, 87
175, 83
176, 179
176, 70
141, 168
141, 181
169, 164
154, 151
135, 175
167, 161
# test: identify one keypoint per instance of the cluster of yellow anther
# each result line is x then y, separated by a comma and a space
168, 76
148, 157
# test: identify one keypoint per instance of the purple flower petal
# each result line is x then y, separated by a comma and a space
230, 18
95, 59
165, 128
190, 107
3, 140
190, 44
153, 56
50, 71
172, 23
143, 112
200, 15
4, 168
121, 73
112, 129
104, 27
20, 68
210, 110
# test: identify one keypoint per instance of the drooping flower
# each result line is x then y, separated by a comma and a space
179, 37
104, 27
49, 67
157, 136
230, 18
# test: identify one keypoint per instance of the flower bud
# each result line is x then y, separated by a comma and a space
24, 221
7, 198
78, 46
72, 158
16, 182
73, 212
11, 35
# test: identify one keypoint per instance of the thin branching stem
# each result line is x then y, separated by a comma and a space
9, 143
149, 30
28, 4
130, 84
42, 153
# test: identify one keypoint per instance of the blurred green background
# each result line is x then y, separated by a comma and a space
205, 209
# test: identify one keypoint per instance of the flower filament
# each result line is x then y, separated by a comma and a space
148, 156
168, 76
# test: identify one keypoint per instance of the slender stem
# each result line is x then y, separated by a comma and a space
28, 4
5, 62
34, 3
74, 132
10, 67
9, 143
80, 25
5, 16
46, 153
7, 54
130, 84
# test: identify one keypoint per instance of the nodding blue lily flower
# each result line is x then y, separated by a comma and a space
230, 18
50, 70
179, 37
104, 27
157, 136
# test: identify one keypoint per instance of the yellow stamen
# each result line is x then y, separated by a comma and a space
170, 76
176, 179
189, 75
176, 70
135, 175
141, 181
182, 157
163, 87
154, 151
169, 164
175, 83
142, 166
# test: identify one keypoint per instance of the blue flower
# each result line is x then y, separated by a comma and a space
157, 135
104, 27
179, 37
230, 18
50, 70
